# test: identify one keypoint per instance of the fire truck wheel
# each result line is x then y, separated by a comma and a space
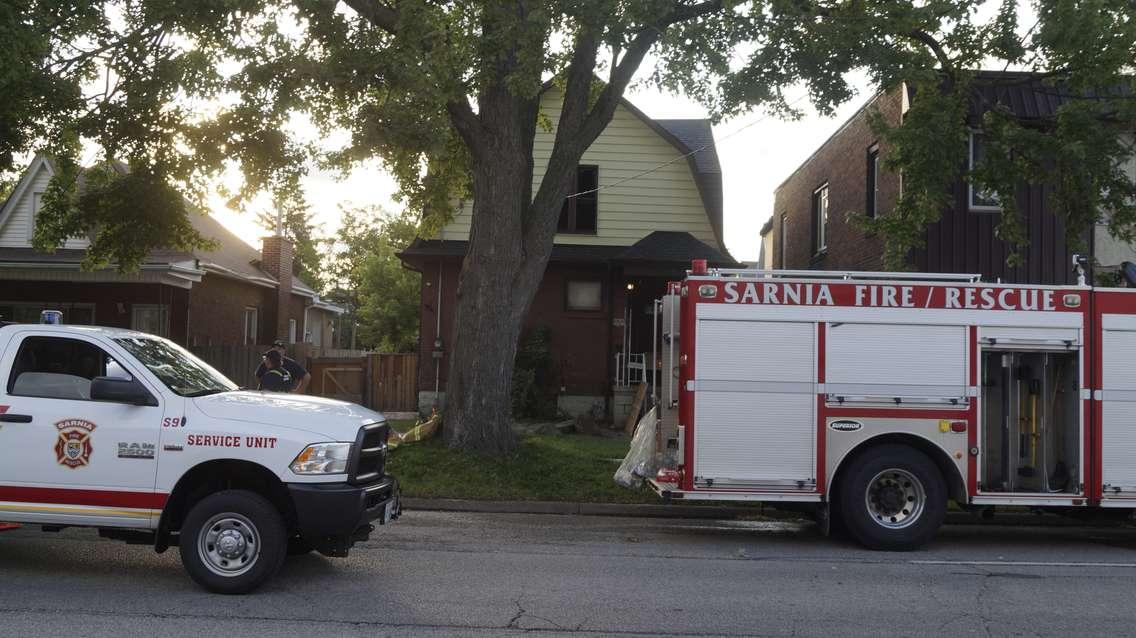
233, 541
893, 498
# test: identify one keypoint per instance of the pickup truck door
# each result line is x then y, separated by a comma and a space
65, 459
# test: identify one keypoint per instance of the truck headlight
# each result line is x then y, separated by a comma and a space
322, 458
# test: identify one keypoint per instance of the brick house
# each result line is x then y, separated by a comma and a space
231, 295
809, 229
613, 254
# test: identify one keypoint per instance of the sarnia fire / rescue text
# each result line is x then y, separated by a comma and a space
884, 296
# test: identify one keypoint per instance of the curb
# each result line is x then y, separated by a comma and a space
710, 512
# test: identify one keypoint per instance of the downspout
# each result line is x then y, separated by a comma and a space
608, 404
438, 335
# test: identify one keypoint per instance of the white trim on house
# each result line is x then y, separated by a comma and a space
970, 205
25, 182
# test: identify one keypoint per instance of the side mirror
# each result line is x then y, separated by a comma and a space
121, 391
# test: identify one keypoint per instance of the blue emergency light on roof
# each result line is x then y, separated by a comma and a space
53, 317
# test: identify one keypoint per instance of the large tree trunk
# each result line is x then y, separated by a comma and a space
497, 283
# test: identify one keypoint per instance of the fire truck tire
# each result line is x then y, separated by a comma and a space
233, 541
893, 498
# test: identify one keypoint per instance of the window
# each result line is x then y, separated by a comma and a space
580, 213
873, 185
150, 318
250, 326
291, 331
784, 241
584, 295
59, 368
78, 314
820, 219
980, 199
179, 370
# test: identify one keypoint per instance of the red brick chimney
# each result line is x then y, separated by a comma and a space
276, 256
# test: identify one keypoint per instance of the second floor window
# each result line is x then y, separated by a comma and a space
581, 211
980, 199
820, 219
873, 185
784, 241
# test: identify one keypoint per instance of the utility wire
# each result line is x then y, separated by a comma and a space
759, 120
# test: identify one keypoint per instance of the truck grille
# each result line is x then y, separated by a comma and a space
369, 454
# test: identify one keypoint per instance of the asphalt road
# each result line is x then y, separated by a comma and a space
447, 574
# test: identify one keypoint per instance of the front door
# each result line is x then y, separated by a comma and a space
64, 458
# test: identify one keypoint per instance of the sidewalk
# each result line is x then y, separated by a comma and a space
717, 512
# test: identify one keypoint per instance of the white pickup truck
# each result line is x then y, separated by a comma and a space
133, 435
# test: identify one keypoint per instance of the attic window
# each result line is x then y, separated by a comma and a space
579, 213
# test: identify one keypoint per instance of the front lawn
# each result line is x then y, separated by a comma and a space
572, 468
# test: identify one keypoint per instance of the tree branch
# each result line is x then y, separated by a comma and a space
373, 11
466, 123
936, 48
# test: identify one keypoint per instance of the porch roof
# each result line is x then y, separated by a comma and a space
669, 247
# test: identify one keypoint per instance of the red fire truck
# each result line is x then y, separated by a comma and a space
877, 397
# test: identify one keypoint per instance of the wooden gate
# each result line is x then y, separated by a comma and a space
339, 378
394, 382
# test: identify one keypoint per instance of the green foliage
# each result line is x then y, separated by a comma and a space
184, 90
534, 382
367, 276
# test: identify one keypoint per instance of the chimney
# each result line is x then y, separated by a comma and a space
276, 256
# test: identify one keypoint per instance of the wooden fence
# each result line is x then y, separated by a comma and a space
384, 382
394, 382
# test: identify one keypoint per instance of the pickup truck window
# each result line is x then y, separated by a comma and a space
57, 368
182, 372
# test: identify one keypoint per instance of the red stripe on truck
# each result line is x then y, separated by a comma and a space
93, 498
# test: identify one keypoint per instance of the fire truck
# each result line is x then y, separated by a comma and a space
876, 397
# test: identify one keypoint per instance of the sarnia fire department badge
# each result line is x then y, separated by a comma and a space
73, 448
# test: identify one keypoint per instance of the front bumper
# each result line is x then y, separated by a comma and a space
338, 511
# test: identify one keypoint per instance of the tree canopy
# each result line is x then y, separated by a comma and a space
184, 89
447, 95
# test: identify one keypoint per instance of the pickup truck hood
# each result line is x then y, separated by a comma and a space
333, 419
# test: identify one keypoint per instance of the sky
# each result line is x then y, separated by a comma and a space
757, 152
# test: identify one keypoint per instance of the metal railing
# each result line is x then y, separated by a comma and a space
749, 273
630, 369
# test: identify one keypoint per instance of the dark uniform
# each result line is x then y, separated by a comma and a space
295, 371
276, 380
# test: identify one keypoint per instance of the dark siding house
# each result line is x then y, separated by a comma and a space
809, 227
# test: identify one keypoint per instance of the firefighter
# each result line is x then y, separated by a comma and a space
276, 377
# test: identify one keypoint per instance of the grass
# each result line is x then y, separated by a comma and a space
572, 468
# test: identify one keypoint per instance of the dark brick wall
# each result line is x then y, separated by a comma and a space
841, 163
112, 301
217, 306
579, 340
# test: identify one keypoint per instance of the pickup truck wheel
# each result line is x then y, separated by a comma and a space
233, 541
893, 498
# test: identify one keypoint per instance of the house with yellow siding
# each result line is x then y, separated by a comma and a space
649, 201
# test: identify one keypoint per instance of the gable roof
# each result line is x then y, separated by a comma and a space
694, 139
231, 257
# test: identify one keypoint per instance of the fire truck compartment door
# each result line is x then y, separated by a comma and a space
755, 404
1118, 408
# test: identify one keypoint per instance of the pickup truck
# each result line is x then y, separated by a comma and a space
133, 435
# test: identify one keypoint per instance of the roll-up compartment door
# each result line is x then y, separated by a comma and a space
1118, 414
884, 362
755, 404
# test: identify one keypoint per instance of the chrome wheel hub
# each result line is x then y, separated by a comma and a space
895, 498
229, 544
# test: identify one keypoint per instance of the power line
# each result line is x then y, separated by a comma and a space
759, 120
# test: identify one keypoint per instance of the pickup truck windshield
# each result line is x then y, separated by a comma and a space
182, 372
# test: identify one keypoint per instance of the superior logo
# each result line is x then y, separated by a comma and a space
846, 425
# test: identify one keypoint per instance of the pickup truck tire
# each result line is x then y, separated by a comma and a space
233, 541
893, 498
